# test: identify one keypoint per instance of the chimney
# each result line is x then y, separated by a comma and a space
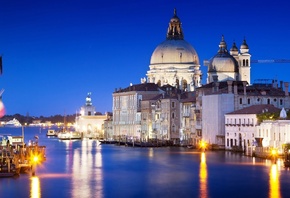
286, 84
215, 78
217, 86
230, 84
281, 84
245, 88
235, 89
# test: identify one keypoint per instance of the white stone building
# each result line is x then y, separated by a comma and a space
232, 65
174, 61
88, 122
219, 98
241, 126
274, 133
127, 109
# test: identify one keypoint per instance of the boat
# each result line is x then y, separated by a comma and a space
51, 133
13, 123
69, 135
108, 141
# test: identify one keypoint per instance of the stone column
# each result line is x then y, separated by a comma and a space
230, 84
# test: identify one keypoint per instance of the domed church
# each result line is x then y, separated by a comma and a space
230, 65
174, 61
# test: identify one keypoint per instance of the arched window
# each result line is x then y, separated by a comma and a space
244, 62
247, 62
241, 101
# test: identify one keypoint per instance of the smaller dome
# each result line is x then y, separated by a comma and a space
244, 45
223, 63
234, 48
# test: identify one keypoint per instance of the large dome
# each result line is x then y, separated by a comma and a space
174, 51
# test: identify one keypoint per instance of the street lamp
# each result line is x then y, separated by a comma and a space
202, 145
274, 155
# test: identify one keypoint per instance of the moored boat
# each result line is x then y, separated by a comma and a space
51, 133
69, 135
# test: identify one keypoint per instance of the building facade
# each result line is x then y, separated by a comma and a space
241, 126
127, 109
90, 124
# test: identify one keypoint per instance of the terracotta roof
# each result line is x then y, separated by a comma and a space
257, 109
140, 87
251, 90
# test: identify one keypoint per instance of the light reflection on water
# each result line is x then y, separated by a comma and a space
35, 188
203, 176
87, 176
274, 189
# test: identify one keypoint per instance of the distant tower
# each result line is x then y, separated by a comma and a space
88, 109
245, 63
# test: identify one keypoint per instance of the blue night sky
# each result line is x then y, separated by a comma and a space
55, 52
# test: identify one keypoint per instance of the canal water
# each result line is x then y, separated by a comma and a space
87, 169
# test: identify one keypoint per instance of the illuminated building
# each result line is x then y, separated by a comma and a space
90, 124
201, 109
174, 61
232, 65
241, 125
220, 98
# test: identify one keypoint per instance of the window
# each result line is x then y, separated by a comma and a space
244, 62
247, 62
172, 115
249, 101
268, 101
173, 104
281, 102
241, 101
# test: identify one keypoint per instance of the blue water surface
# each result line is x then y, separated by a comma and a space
85, 168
